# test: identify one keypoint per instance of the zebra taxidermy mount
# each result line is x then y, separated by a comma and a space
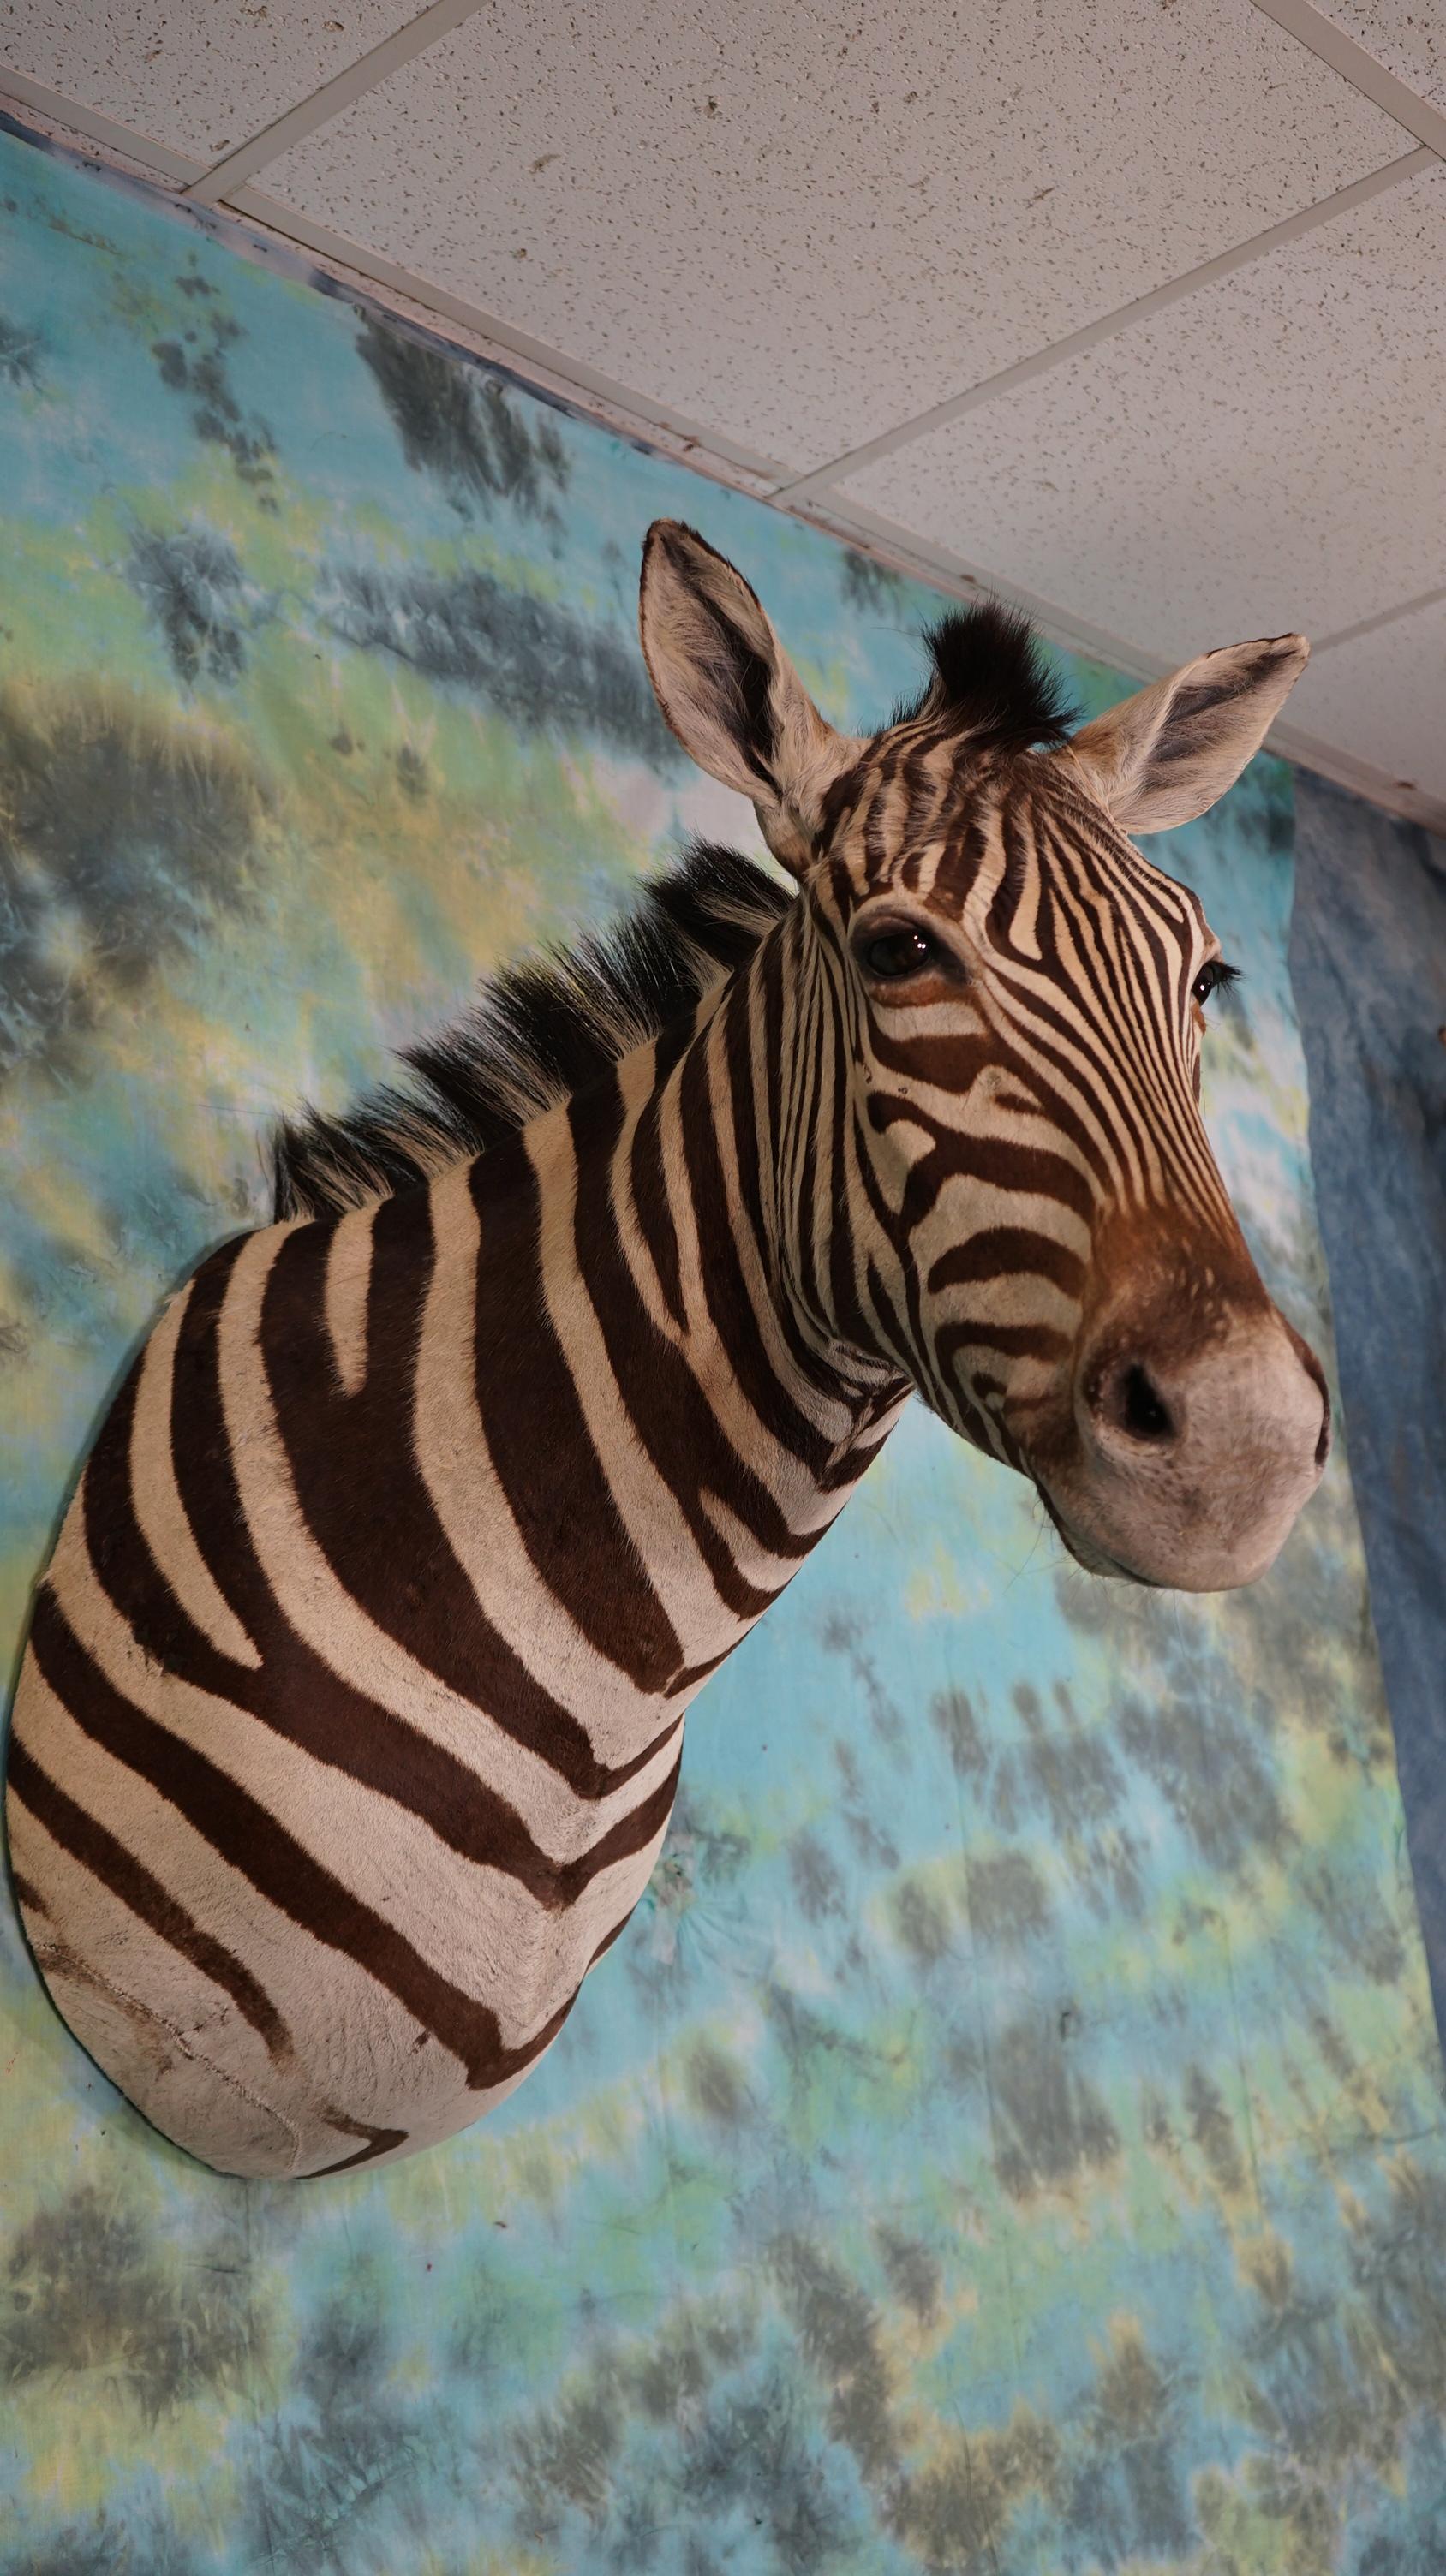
352, 1713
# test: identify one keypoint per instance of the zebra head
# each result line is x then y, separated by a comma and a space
993, 1173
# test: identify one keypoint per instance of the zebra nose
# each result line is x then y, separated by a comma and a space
1198, 1442
1316, 1375
1125, 1398
1135, 1407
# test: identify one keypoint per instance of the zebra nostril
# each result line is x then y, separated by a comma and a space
1323, 1445
1139, 1407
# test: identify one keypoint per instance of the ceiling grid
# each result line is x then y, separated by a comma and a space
1155, 387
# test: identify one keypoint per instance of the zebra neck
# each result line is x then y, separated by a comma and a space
653, 1424
552, 1418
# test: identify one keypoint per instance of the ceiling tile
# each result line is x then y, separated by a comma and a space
201, 76
1407, 36
800, 227
1383, 697
1265, 455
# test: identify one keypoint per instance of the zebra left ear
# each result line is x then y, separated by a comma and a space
1164, 756
729, 692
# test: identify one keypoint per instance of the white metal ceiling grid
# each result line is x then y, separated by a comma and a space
1209, 407
809, 278
1135, 312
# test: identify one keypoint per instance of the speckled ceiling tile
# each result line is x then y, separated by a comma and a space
1266, 454
1384, 696
202, 76
1408, 36
801, 227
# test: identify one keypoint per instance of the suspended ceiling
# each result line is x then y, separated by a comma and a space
1134, 311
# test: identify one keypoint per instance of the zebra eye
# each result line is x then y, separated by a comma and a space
1211, 978
898, 952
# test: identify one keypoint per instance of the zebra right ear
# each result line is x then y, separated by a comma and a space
729, 692
1166, 754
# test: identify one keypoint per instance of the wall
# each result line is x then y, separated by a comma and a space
1009, 2134
1368, 965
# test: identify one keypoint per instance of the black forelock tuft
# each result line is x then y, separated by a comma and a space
991, 681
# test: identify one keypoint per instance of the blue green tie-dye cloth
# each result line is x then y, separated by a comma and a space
1009, 2135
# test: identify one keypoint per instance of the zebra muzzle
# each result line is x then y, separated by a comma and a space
1191, 1460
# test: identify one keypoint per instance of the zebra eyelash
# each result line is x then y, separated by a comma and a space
1216, 977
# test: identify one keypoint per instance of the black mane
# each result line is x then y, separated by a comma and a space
991, 682
537, 1033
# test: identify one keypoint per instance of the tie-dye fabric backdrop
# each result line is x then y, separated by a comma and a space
1009, 2135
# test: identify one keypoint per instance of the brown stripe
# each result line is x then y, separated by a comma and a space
27, 1896
1053, 1026
250, 1838
964, 854
797, 1186
608, 1938
1013, 1341
378, 2142
1004, 1165
725, 1289
117, 1869
672, 1417
693, 1674
123, 1561
949, 1064
300, 1697
890, 1336
629, 1835
848, 1316
1130, 1034
1008, 1252
541, 1448
649, 1183
880, 853
295, 1693
1018, 839
200, 1455
363, 1498
744, 1005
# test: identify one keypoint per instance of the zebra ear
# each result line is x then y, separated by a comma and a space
730, 693
1164, 756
